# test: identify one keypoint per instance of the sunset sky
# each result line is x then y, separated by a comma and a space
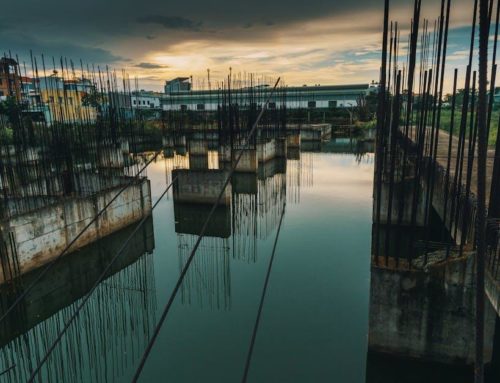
306, 42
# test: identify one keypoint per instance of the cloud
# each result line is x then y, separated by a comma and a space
23, 44
146, 65
171, 22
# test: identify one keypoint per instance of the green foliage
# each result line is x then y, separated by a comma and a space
446, 123
11, 109
93, 99
6, 135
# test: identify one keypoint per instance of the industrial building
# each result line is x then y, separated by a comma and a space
329, 96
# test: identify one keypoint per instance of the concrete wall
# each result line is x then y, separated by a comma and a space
402, 197
39, 236
200, 186
273, 148
247, 163
427, 314
466, 207
293, 141
198, 147
72, 277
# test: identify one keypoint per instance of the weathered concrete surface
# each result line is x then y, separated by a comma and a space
37, 237
402, 198
315, 132
492, 289
274, 148
248, 162
198, 147
71, 278
442, 181
200, 186
293, 140
427, 314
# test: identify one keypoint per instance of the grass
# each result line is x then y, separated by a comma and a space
446, 123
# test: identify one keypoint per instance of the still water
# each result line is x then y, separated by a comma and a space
314, 321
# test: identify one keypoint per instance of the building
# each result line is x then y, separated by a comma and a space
10, 83
65, 99
146, 100
307, 97
179, 84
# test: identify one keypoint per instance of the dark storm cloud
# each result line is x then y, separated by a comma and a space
22, 43
94, 29
120, 16
170, 22
145, 65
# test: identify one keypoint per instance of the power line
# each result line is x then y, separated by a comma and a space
197, 244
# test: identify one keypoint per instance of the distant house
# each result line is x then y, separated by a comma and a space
179, 84
63, 98
10, 80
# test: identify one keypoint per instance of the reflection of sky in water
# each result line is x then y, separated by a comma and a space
315, 318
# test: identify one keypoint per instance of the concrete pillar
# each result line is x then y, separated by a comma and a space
428, 313
402, 197
201, 186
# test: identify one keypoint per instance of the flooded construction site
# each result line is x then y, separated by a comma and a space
250, 230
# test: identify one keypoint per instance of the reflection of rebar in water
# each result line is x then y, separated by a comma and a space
208, 281
119, 316
177, 161
271, 194
299, 174
245, 227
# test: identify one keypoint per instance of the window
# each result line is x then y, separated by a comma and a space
184, 107
70, 101
1, 93
60, 100
200, 107
272, 105
311, 104
51, 99
332, 104
134, 102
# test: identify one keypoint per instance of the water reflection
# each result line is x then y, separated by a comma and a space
119, 316
116, 324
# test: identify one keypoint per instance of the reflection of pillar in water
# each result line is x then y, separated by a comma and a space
175, 161
244, 216
271, 195
207, 282
120, 315
213, 159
